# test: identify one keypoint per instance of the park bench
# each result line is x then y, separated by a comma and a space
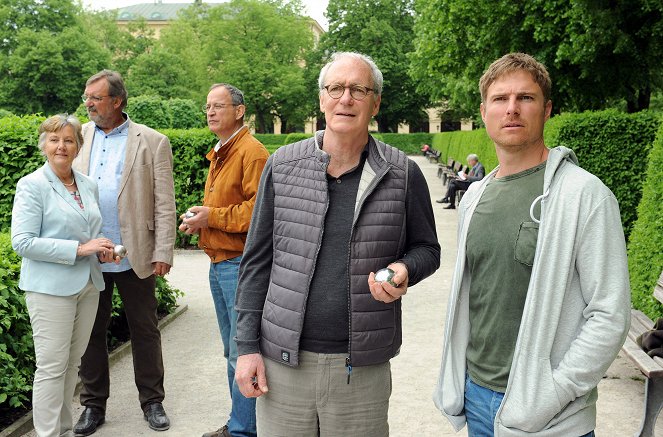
433, 155
651, 367
443, 170
451, 171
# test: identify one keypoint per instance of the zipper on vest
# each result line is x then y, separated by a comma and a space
348, 364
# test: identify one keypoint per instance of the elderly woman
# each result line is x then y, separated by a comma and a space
56, 228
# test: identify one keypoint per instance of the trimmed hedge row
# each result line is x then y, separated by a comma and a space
615, 147
645, 249
612, 145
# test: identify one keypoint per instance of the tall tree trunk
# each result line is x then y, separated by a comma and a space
639, 100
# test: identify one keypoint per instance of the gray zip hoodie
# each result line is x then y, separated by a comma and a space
576, 314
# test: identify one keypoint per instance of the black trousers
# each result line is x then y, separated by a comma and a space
140, 306
455, 185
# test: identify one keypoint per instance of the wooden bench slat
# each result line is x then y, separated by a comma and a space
651, 368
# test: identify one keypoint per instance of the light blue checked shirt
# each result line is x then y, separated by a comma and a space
106, 163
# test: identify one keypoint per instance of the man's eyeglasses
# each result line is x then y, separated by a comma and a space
216, 107
95, 99
357, 92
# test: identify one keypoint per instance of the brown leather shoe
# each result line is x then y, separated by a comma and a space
221, 432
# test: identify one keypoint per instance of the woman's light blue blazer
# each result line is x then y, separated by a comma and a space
47, 226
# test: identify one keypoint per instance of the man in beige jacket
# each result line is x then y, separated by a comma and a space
133, 167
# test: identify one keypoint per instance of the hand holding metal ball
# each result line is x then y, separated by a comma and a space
386, 275
119, 251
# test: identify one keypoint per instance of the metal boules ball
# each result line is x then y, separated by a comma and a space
188, 214
120, 251
386, 275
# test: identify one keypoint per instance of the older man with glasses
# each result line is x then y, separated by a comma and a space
222, 222
133, 167
331, 211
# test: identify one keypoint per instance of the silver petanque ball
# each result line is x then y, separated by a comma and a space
120, 251
386, 275
188, 214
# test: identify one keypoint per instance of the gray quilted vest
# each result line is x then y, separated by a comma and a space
378, 238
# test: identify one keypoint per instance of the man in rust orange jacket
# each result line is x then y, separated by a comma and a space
236, 163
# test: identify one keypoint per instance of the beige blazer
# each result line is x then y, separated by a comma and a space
146, 200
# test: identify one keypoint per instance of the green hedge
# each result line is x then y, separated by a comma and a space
152, 111
190, 170
615, 147
17, 360
296, 136
645, 249
271, 139
19, 156
408, 143
457, 145
612, 145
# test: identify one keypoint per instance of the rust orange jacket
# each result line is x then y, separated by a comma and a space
230, 193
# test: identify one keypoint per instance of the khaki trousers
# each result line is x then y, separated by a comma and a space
315, 398
61, 327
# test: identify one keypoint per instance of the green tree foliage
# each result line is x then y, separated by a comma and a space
260, 46
598, 53
45, 56
174, 66
384, 30
46, 15
123, 44
46, 72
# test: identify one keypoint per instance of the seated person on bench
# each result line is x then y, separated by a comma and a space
476, 173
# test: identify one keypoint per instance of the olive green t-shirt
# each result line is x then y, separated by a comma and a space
501, 241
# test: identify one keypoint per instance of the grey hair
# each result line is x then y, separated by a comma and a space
473, 157
116, 87
376, 74
235, 93
56, 123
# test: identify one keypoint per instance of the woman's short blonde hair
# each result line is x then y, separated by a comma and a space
514, 62
55, 124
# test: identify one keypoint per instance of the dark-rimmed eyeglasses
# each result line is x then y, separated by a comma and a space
216, 107
357, 92
95, 99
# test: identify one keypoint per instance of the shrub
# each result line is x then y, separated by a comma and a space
186, 114
408, 143
615, 147
458, 144
296, 136
152, 111
4, 113
20, 156
190, 171
271, 139
16, 348
645, 249
17, 360
81, 113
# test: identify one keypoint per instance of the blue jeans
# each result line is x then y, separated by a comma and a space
223, 277
481, 405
